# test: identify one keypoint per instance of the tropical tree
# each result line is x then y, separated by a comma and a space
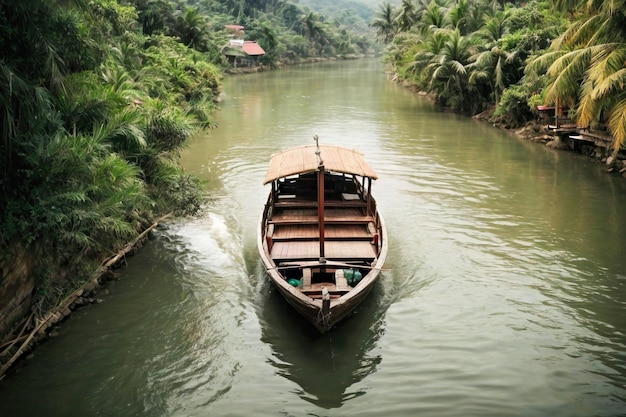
491, 67
586, 65
495, 28
458, 16
86, 156
192, 27
427, 51
31, 66
266, 35
448, 71
155, 16
314, 29
384, 22
406, 16
492, 64
434, 17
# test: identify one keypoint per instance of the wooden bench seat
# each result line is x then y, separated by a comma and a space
315, 290
333, 250
304, 219
296, 232
313, 204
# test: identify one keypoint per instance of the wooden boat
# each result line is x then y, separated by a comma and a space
321, 238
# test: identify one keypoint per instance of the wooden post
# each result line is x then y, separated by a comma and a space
556, 113
369, 195
320, 207
325, 309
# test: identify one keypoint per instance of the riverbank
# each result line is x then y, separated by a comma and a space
37, 328
538, 132
286, 63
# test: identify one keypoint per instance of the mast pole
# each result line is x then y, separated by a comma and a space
320, 196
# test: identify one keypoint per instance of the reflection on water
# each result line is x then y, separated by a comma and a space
325, 367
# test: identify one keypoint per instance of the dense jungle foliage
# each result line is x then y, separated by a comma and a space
98, 97
513, 56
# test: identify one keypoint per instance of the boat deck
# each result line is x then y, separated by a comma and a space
333, 250
349, 233
331, 216
311, 231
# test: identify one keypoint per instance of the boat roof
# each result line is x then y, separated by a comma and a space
302, 160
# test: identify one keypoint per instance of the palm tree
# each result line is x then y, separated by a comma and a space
435, 16
155, 16
384, 23
458, 16
429, 49
267, 37
495, 28
407, 16
31, 65
491, 65
192, 27
449, 73
587, 62
314, 30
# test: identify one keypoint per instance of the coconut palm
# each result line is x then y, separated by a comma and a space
192, 27
384, 22
314, 30
493, 66
495, 28
449, 73
586, 66
428, 50
406, 16
155, 16
458, 16
434, 16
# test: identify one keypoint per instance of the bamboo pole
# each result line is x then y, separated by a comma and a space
109, 262
11, 343
57, 311
24, 345
320, 208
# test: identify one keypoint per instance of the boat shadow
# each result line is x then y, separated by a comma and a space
326, 367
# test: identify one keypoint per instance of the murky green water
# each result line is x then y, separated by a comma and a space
505, 293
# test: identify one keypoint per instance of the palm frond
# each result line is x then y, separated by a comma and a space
544, 61
568, 71
617, 122
123, 131
608, 70
587, 110
613, 84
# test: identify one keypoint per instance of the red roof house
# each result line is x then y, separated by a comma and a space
252, 48
243, 53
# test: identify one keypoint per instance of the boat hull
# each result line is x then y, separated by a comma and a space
321, 238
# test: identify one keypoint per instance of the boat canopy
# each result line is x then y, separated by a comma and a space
303, 159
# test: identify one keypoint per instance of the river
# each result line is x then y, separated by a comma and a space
504, 292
